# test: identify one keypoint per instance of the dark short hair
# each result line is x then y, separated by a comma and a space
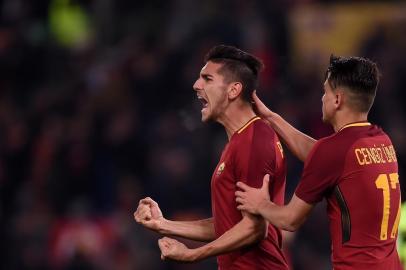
359, 75
237, 65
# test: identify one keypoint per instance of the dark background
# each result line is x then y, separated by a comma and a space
97, 111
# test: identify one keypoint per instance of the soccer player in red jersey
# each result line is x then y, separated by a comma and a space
355, 169
239, 240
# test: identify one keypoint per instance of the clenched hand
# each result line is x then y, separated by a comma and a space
149, 214
174, 250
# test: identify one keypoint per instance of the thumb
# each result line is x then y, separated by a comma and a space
265, 183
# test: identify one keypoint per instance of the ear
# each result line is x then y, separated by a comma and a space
234, 90
339, 99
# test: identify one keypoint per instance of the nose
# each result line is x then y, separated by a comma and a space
197, 85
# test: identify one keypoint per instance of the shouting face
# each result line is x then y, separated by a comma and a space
211, 90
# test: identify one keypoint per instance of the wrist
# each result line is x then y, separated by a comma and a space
272, 117
193, 255
262, 206
162, 226
198, 254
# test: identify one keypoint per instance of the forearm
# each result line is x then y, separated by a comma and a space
298, 143
287, 217
244, 233
277, 216
199, 230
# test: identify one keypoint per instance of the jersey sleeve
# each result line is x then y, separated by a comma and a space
320, 173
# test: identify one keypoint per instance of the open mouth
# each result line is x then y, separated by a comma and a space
204, 102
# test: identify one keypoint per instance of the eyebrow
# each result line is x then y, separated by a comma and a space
206, 76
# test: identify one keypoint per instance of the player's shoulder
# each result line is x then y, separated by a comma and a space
337, 144
326, 142
262, 125
330, 148
262, 131
351, 135
257, 126
256, 134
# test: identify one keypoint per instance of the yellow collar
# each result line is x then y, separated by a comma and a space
247, 124
361, 124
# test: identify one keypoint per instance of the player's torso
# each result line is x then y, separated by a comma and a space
228, 172
364, 206
223, 187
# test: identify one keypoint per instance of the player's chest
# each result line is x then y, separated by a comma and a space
223, 175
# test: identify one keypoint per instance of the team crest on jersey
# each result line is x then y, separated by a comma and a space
221, 168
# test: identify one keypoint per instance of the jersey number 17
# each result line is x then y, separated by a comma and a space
387, 182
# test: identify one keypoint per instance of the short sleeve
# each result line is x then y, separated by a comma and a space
320, 174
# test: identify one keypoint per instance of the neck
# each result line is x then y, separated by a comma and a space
236, 116
348, 117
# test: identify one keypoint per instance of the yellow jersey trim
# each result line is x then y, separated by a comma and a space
355, 125
247, 124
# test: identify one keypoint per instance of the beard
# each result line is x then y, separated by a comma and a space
327, 118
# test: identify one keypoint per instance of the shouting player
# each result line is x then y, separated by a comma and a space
355, 169
239, 240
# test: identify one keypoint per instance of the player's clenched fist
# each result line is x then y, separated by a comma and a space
174, 250
148, 214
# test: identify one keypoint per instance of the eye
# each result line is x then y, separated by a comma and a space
207, 78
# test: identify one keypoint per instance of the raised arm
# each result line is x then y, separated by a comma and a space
298, 143
249, 230
150, 216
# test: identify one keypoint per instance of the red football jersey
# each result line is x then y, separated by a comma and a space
356, 170
252, 152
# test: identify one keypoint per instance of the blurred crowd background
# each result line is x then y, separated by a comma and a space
97, 111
